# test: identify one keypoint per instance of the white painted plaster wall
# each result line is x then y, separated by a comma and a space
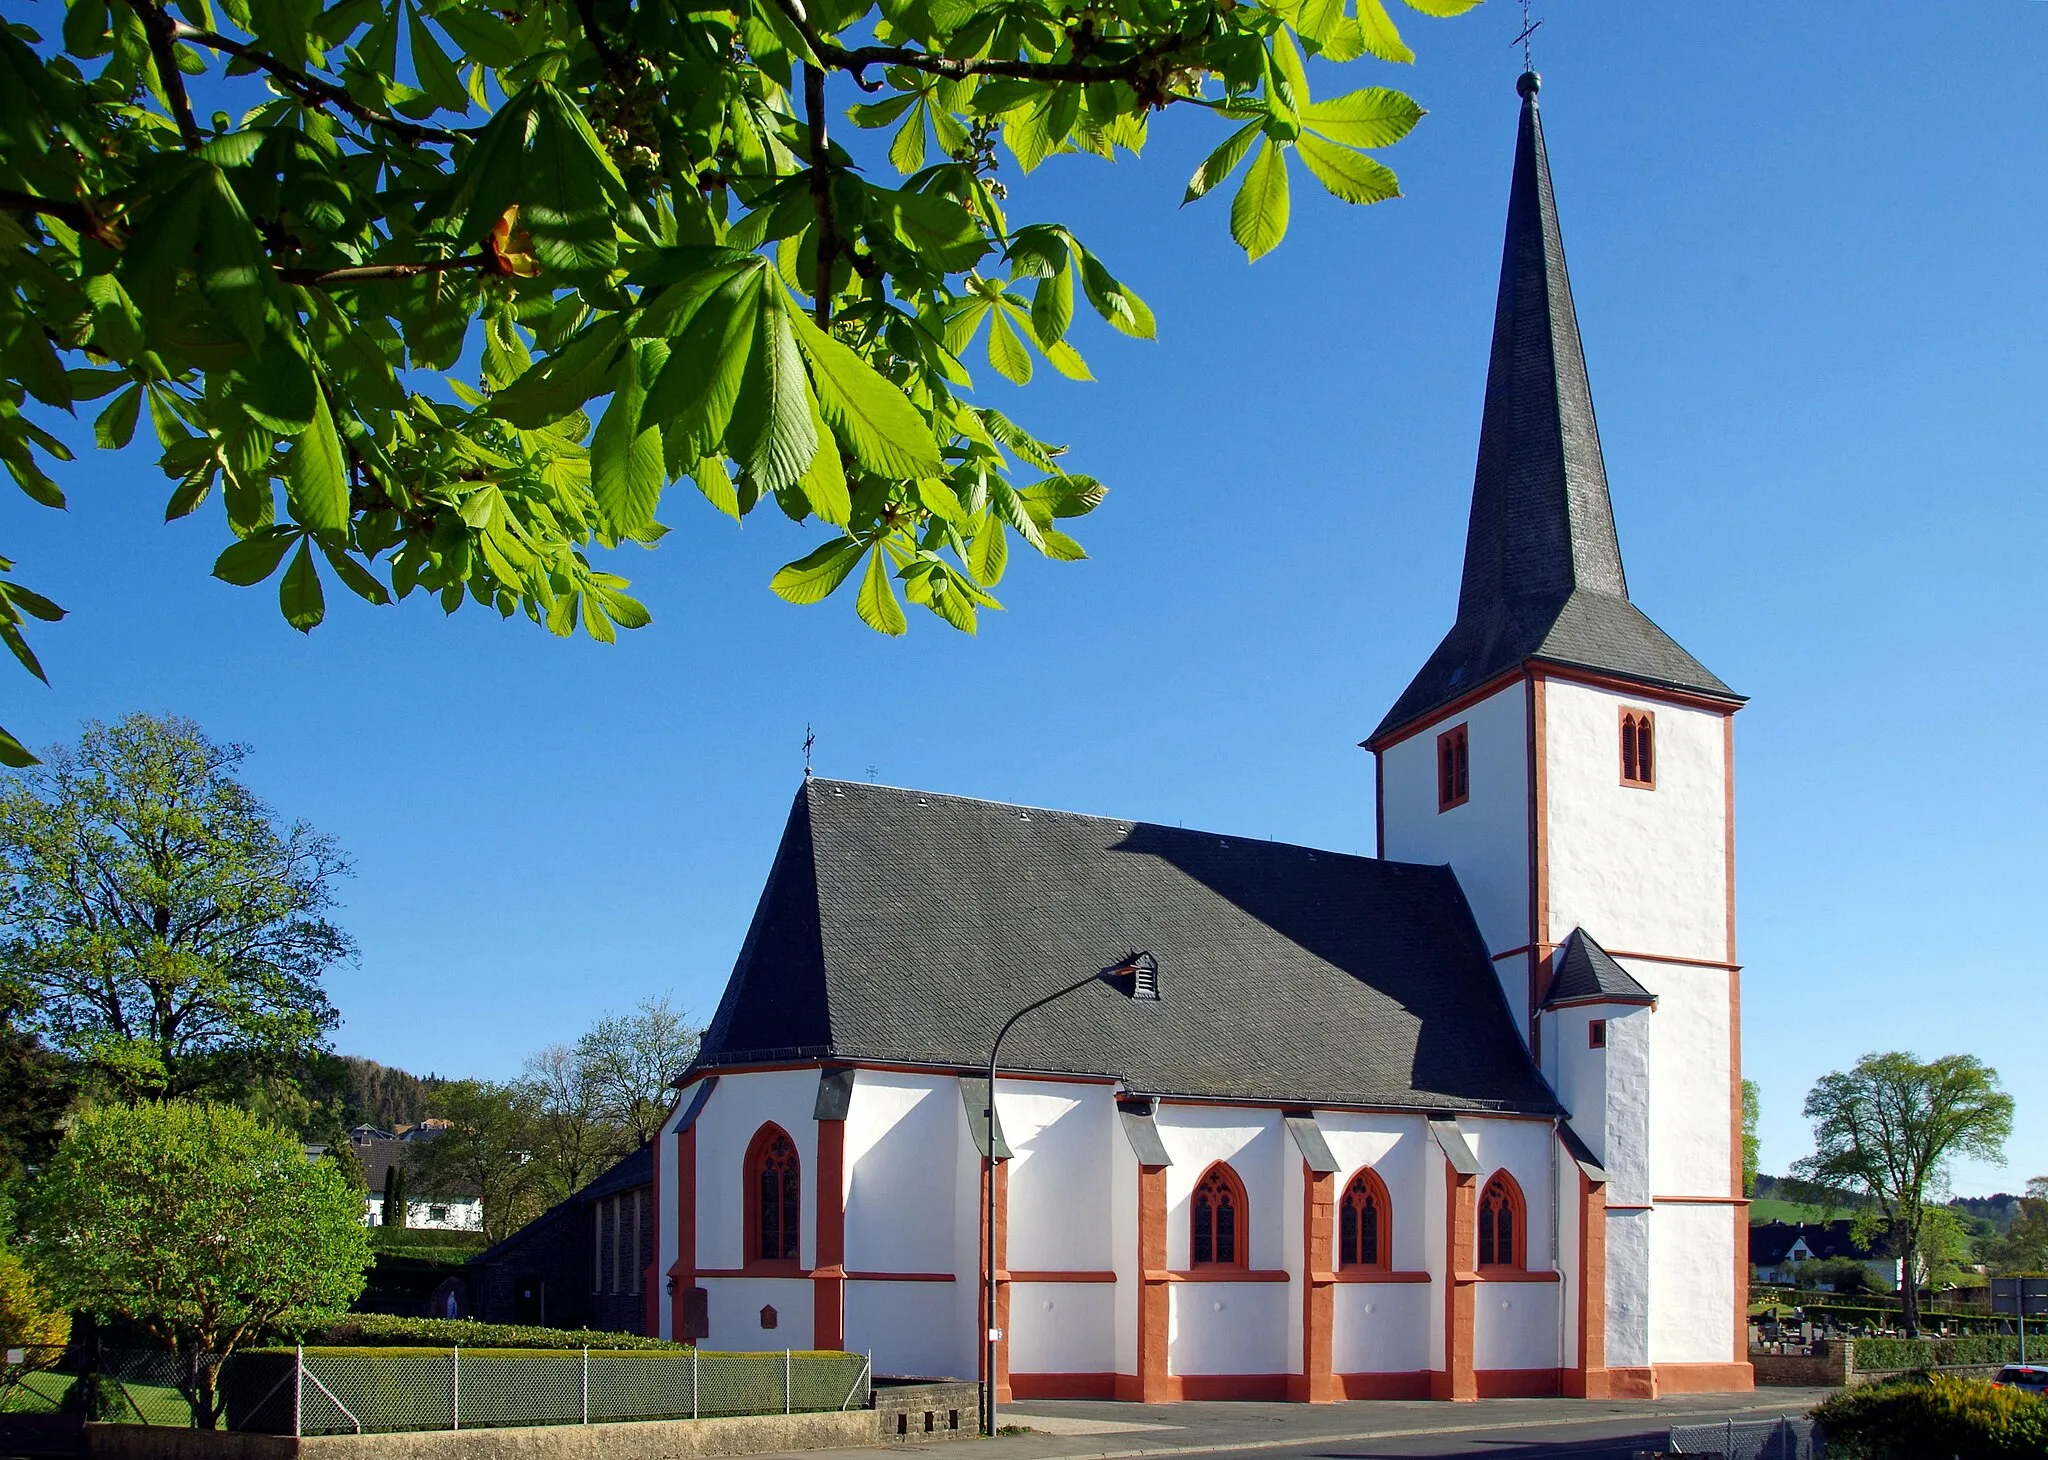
736, 1305
1628, 1288
1222, 1327
743, 1104
910, 1328
666, 1235
1123, 1249
1487, 838
1632, 1104
1063, 1138
1383, 1328
1568, 1224
1397, 1147
899, 1163
967, 1239
1692, 1252
1642, 870
1294, 1246
1514, 1326
1692, 1122
1436, 1213
1062, 1328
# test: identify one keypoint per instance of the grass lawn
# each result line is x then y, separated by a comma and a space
1770, 1209
42, 1393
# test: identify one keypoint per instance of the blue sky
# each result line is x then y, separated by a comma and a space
1806, 243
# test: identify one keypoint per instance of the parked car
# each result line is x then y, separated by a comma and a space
2031, 1377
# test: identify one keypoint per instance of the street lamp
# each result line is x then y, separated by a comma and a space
1136, 976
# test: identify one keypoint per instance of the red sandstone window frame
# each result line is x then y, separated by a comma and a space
1365, 1210
1639, 748
1218, 1216
1453, 767
1596, 1034
1501, 1199
774, 1219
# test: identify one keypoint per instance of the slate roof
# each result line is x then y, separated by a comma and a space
899, 926
379, 1156
1586, 971
629, 1172
1543, 577
1770, 1241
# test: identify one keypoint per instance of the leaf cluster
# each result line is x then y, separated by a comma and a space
628, 230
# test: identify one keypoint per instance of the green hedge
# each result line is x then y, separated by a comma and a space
1874, 1355
1921, 1418
382, 1330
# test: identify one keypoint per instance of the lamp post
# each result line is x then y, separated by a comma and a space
1136, 976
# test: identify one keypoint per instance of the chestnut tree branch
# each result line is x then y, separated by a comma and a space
310, 88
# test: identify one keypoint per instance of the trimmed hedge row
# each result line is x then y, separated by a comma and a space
1875, 1355
1919, 1418
383, 1330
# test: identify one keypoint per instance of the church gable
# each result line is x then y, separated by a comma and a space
901, 927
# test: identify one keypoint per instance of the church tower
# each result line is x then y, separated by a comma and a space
1574, 766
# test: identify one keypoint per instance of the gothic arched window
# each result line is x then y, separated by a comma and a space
1221, 1236
1364, 1224
1501, 1234
1638, 748
774, 1197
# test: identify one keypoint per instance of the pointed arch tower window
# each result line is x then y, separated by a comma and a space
774, 1198
1365, 1225
1502, 1228
1218, 1213
1639, 749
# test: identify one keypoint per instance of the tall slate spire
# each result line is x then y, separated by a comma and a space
1543, 576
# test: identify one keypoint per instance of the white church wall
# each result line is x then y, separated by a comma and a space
1435, 1213
1631, 1104
1569, 1220
667, 1239
1692, 1271
1123, 1250
1382, 1328
1515, 1325
910, 1328
1628, 1287
1642, 870
1396, 1147
1522, 1149
1487, 838
899, 1161
1060, 1137
742, 1105
736, 1317
1228, 1327
967, 1239
1062, 1328
1294, 1247
1692, 1122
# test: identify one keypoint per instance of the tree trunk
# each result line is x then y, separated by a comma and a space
199, 1389
1909, 1284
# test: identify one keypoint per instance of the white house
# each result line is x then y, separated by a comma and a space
436, 1210
1398, 1127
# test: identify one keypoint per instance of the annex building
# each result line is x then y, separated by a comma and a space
1459, 1120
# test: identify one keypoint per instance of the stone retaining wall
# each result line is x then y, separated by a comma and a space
919, 1413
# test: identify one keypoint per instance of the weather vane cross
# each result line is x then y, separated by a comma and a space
810, 739
1529, 29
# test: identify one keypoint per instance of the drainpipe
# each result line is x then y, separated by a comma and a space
1557, 1153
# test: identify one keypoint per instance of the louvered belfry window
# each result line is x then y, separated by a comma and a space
1638, 748
1218, 1210
774, 1189
1500, 1223
1453, 768
1362, 1223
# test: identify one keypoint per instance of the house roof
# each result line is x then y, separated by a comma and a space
1769, 1242
902, 926
1543, 578
628, 1173
1586, 972
379, 1156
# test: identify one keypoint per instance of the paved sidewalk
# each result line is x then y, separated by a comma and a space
1090, 1429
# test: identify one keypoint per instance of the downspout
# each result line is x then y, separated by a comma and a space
1557, 1153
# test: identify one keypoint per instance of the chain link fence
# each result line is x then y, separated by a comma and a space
386, 1390
1775, 1439
381, 1391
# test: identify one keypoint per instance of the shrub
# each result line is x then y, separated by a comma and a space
1875, 1355
1915, 1418
380, 1330
27, 1316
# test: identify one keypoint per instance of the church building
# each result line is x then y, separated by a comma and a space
1460, 1120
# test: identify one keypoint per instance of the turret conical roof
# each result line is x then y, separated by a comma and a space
1543, 576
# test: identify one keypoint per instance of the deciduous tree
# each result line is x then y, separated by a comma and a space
267, 227
2024, 1247
487, 1148
198, 1223
167, 928
1890, 1127
631, 1062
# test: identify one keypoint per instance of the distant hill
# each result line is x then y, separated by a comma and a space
348, 1090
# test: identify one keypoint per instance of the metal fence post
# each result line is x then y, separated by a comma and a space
693, 1381
586, 1385
455, 1388
299, 1392
785, 1381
